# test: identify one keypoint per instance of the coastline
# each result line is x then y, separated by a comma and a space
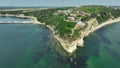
71, 46
110, 21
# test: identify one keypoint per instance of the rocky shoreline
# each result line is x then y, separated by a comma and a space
70, 47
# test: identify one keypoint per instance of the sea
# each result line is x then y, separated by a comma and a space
33, 46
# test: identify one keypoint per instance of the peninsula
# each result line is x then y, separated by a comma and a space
71, 25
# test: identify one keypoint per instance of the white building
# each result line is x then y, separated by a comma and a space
80, 23
71, 18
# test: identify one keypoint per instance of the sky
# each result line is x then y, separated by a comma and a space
31, 3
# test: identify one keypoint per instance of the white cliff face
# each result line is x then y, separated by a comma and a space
71, 46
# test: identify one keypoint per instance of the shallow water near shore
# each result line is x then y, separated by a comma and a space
32, 46
26, 46
101, 49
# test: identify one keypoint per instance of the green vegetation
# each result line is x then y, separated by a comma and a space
101, 13
94, 9
115, 13
64, 28
103, 17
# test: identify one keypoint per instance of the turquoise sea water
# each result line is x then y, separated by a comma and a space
32, 46
108, 48
101, 48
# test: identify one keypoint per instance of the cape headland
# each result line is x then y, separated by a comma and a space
71, 25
